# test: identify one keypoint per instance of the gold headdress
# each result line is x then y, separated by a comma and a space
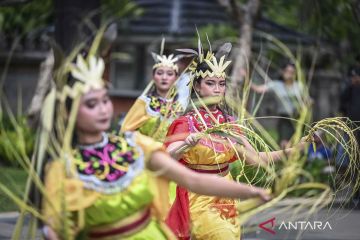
88, 73
162, 60
217, 67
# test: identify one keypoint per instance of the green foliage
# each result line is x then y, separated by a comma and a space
327, 19
216, 32
315, 168
282, 12
14, 179
23, 18
15, 140
119, 9
332, 20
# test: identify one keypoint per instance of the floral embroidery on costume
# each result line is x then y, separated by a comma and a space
207, 119
226, 208
157, 104
111, 165
161, 107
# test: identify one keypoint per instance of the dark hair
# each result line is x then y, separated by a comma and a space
285, 65
201, 67
288, 64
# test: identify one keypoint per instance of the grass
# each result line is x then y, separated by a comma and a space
15, 179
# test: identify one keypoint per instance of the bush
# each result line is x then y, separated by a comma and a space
16, 140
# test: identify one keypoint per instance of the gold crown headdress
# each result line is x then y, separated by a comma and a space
88, 74
162, 60
217, 67
87, 71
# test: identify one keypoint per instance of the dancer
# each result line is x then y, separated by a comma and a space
153, 112
98, 185
194, 215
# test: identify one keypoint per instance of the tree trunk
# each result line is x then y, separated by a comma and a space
75, 22
243, 55
70, 29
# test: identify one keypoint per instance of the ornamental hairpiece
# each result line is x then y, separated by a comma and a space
161, 60
217, 67
166, 61
88, 73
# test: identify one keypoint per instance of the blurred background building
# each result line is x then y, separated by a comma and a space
176, 20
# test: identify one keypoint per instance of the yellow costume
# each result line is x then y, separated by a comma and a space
151, 115
111, 194
197, 216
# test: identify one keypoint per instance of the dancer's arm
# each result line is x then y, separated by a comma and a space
251, 156
174, 149
263, 88
205, 184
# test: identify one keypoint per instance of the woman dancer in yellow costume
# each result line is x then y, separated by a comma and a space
98, 185
193, 215
153, 112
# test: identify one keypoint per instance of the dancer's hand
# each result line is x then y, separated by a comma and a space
192, 139
263, 194
303, 142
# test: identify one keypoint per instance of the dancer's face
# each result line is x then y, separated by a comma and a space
164, 78
95, 111
211, 87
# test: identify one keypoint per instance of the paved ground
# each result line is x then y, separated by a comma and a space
7, 225
345, 225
